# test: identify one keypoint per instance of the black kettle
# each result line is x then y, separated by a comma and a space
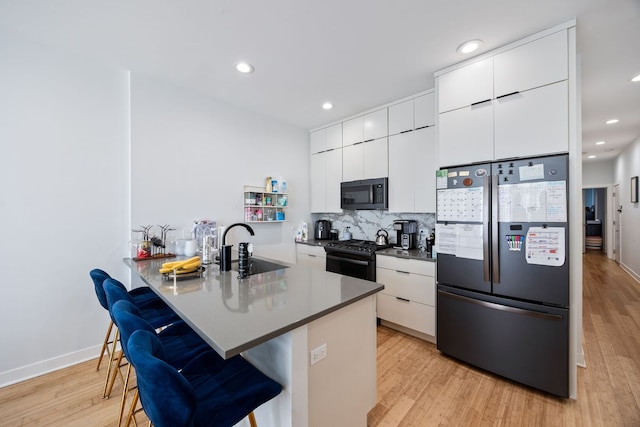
382, 239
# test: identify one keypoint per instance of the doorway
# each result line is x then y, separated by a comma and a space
617, 210
595, 218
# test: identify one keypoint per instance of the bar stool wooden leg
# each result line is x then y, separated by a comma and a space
252, 419
105, 345
111, 360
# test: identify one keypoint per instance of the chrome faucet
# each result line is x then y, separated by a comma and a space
225, 253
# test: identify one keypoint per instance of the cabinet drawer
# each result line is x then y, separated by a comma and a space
413, 315
311, 250
411, 286
426, 268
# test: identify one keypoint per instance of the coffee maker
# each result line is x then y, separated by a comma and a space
406, 233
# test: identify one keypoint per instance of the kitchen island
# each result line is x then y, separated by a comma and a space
276, 319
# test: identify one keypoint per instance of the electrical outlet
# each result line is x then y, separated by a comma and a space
318, 353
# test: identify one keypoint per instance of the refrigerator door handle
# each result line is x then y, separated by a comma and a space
494, 306
495, 250
486, 268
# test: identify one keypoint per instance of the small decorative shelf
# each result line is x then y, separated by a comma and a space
261, 206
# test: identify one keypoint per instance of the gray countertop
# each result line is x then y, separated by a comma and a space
233, 315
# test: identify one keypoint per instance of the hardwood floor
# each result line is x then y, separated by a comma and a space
418, 386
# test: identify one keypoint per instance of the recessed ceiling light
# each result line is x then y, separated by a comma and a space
592, 156
600, 142
470, 46
636, 78
612, 121
244, 67
327, 106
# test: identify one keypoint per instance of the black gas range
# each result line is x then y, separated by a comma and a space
355, 258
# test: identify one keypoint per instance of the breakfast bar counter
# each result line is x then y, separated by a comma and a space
312, 331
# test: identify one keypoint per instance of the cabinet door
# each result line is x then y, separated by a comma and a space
466, 135
425, 170
317, 141
465, 86
333, 180
376, 158
534, 122
352, 131
353, 162
401, 117
334, 137
317, 180
532, 65
425, 110
401, 172
375, 125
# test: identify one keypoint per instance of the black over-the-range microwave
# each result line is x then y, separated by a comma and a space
365, 194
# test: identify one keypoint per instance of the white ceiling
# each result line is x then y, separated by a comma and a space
358, 54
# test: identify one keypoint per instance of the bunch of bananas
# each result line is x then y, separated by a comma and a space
181, 267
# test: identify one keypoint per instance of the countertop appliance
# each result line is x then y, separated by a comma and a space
365, 194
355, 258
503, 269
406, 233
322, 229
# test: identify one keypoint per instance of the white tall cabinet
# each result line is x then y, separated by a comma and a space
511, 104
325, 169
412, 162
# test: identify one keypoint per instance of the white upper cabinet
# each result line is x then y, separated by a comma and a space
512, 104
375, 125
466, 135
376, 158
466, 86
425, 110
365, 128
531, 65
353, 131
532, 122
412, 171
325, 169
318, 141
334, 137
401, 117
412, 114
366, 160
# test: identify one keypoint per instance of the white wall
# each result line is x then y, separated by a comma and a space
627, 165
63, 209
191, 156
65, 200
597, 174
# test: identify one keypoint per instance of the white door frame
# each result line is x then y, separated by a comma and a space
608, 224
616, 222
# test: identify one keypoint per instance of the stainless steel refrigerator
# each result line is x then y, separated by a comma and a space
503, 269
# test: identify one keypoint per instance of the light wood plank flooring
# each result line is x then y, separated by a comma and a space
418, 386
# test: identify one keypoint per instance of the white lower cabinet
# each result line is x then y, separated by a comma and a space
409, 295
311, 256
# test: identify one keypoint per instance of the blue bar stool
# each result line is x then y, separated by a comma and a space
153, 309
141, 296
205, 392
181, 343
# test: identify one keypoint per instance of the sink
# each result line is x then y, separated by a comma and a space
259, 266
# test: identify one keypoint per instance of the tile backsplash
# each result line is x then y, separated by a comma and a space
364, 224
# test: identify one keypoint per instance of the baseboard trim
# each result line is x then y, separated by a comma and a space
580, 360
37, 369
408, 331
630, 272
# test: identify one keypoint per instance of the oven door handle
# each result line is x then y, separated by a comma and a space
349, 260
